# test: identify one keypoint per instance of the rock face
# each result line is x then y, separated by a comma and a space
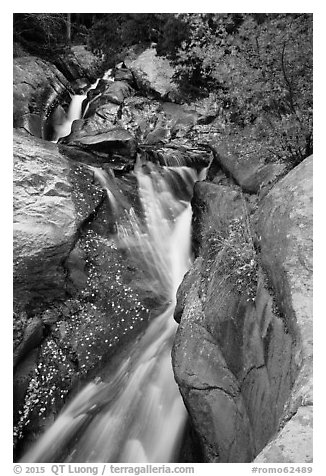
285, 228
46, 216
242, 353
153, 73
250, 173
88, 61
114, 145
78, 62
37, 84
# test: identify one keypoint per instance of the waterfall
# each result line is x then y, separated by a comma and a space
136, 414
62, 126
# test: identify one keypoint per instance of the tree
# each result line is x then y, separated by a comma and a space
260, 69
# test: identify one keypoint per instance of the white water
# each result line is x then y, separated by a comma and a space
138, 415
62, 126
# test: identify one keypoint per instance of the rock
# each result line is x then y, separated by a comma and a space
285, 231
293, 444
117, 92
52, 198
87, 127
139, 115
159, 135
38, 85
78, 62
81, 156
108, 93
90, 63
33, 335
152, 73
249, 171
181, 120
108, 112
235, 356
80, 85
124, 74
171, 121
115, 145
22, 376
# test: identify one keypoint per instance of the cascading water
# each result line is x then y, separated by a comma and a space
137, 414
62, 126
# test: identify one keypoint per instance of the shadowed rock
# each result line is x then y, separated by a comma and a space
37, 86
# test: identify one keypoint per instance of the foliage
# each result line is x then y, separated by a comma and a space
260, 68
234, 249
113, 32
39, 32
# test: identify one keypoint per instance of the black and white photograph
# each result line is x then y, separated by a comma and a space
162, 241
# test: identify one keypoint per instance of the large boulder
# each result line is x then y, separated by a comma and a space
52, 198
80, 85
113, 145
107, 92
248, 170
78, 62
117, 92
243, 350
230, 341
285, 232
139, 115
38, 85
91, 63
123, 74
153, 74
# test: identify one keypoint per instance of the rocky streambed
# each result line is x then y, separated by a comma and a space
242, 355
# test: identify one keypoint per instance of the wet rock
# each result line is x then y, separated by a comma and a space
80, 85
75, 265
117, 92
152, 73
52, 198
106, 93
124, 74
108, 112
77, 155
139, 115
33, 335
37, 85
115, 145
88, 127
23, 373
